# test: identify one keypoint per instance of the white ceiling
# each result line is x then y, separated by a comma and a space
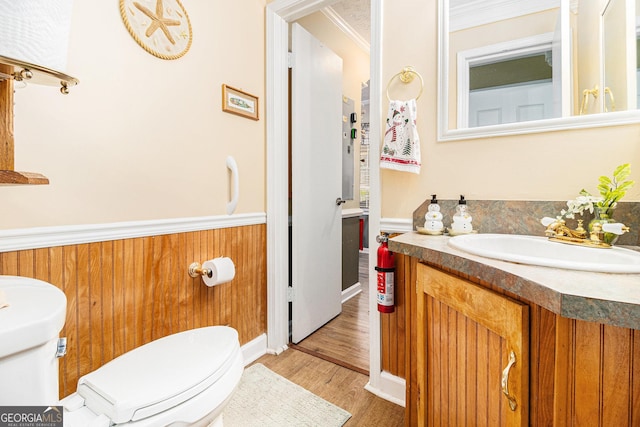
357, 14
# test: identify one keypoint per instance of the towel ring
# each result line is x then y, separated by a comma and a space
406, 76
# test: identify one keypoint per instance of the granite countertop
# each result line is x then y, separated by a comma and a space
597, 297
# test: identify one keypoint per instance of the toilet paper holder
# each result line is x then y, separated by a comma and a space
196, 270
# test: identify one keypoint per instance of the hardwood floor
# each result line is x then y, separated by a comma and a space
333, 363
345, 339
339, 385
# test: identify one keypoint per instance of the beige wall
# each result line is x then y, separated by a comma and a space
140, 137
544, 166
355, 66
143, 138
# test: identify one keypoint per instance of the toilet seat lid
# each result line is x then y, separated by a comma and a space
161, 374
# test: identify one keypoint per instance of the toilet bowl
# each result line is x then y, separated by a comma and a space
184, 379
29, 328
181, 379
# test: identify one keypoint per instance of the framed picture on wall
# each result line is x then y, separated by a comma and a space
235, 101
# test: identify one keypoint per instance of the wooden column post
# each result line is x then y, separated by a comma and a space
8, 175
6, 120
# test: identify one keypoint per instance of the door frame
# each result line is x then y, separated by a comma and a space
279, 14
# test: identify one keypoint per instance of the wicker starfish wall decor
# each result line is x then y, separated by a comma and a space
161, 27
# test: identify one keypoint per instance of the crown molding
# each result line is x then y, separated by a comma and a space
480, 12
338, 21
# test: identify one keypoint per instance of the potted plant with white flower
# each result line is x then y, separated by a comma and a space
611, 190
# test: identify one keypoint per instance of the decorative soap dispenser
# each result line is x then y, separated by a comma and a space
461, 219
433, 218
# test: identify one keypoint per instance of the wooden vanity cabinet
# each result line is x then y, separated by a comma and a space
473, 353
567, 372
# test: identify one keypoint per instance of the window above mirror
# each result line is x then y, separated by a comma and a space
517, 66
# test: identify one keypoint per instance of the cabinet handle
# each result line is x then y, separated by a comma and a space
505, 381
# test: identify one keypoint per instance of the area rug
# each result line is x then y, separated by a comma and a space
266, 399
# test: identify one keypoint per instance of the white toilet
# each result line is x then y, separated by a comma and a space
183, 379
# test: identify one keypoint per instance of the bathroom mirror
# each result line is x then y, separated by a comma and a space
619, 57
517, 66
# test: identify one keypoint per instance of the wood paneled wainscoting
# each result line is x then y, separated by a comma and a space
398, 334
394, 325
124, 293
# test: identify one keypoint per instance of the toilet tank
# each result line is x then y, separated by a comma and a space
29, 329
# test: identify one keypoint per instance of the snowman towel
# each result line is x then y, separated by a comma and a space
401, 147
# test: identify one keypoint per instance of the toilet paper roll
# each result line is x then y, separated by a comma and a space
222, 271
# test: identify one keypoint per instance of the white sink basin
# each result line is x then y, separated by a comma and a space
536, 250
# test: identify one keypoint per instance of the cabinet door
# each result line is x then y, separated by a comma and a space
473, 354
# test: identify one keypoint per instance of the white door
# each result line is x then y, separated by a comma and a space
511, 104
316, 184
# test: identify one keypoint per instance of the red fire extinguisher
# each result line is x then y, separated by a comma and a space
386, 268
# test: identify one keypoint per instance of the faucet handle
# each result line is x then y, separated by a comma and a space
555, 227
615, 228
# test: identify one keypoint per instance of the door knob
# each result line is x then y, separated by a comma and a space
339, 201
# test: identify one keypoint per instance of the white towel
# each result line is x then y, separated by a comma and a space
401, 147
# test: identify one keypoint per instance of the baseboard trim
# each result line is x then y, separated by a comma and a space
351, 292
254, 349
392, 388
277, 351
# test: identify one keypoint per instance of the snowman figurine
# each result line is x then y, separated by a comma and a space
433, 218
462, 218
